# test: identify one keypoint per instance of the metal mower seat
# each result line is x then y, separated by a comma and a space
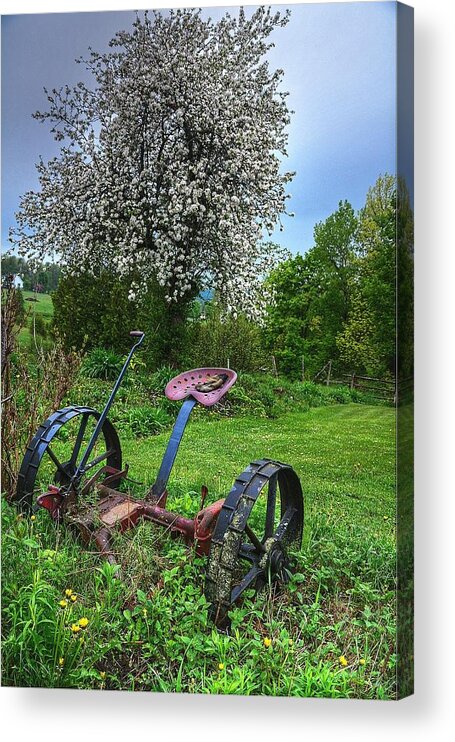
207, 385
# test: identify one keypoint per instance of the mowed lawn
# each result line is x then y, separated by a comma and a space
329, 632
343, 454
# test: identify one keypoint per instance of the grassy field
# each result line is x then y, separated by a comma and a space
43, 307
331, 632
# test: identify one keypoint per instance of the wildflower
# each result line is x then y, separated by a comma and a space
83, 622
267, 641
61, 661
33, 517
221, 666
361, 662
75, 628
68, 592
144, 612
343, 661
291, 642
73, 598
63, 603
102, 675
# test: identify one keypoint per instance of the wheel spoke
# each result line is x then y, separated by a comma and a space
249, 552
250, 577
55, 460
99, 459
79, 439
254, 539
285, 523
270, 512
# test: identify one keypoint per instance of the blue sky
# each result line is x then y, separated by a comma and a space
340, 71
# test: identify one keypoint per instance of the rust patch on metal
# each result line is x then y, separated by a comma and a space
125, 509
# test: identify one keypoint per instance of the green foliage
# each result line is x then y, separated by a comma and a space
216, 339
102, 364
367, 342
143, 421
405, 282
289, 315
338, 301
311, 297
93, 311
39, 326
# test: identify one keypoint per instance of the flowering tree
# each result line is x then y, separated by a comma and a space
169, 167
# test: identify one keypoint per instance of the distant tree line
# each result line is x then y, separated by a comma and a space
43, 278
338, 301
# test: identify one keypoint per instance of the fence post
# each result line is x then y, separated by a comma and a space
275, 372
352, 380
329, 372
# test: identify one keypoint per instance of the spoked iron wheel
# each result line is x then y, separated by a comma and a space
260, 523
54, 452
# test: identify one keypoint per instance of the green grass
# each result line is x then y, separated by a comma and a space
149, 629
43, 306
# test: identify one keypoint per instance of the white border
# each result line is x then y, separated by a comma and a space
79, 715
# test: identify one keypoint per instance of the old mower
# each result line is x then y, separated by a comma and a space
73, 468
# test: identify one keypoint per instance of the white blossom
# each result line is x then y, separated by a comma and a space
170, 163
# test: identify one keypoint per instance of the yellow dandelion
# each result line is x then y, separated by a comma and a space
33, 517
291, 642
61, 661
68, 592
361, 662
75, 628
83, 622
343, 661
102, 675
267, 642
73, 598
63, 603
221, 666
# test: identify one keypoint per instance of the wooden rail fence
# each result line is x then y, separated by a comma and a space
378, 388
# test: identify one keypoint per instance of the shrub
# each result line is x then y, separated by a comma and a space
157, 381
39, 326
144, 421
216, 340
102, 364
96, 311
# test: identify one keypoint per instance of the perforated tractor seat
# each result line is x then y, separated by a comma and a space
207, 385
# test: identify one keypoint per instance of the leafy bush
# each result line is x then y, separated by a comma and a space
216, 340
102, 364
96, 311
144, 421
39, 325
157, 381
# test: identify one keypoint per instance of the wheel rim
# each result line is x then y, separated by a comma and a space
260, 523
56, 449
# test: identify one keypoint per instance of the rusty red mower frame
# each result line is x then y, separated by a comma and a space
246, 548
